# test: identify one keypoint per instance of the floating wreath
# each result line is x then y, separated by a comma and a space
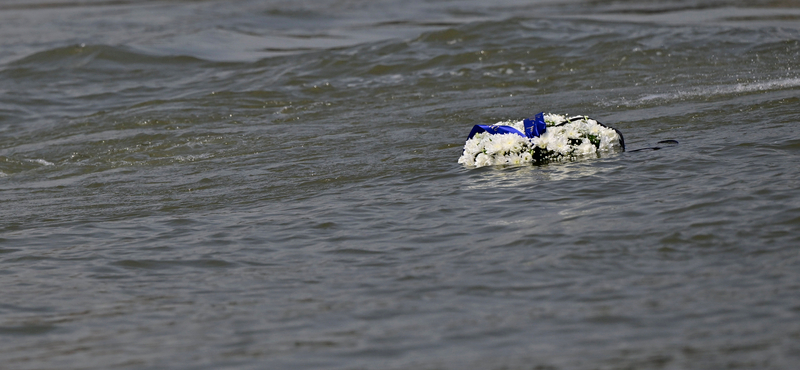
542, 139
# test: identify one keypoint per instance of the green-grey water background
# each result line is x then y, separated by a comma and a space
273, 184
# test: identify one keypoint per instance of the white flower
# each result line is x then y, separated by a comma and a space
473, 146
517, 142
519, 125
586, 148
572, 132
493, 145
467, 159
587, 125
561, 145
594, 129
505, 143
514, 158
500, 160
608, 139
483, 160
543, 140
554, 118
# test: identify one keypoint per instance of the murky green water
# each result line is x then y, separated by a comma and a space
250, 185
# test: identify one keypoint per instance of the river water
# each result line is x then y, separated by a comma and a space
274, 185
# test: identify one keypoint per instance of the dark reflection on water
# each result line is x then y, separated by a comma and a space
274, 185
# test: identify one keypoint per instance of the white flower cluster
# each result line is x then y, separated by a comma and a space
564, 139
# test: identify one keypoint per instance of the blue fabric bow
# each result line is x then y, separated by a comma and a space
533, 128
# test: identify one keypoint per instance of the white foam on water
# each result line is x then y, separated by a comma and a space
192, 158
42, 162
709, 92
726, 89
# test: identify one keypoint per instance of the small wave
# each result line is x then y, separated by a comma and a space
92, 56
192, 158
707, 92
41, 161
726, 90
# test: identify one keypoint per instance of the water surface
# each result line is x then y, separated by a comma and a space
249, 185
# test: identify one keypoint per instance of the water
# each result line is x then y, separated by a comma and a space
249, 185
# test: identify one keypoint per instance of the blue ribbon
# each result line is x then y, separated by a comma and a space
533, 128
493, 129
